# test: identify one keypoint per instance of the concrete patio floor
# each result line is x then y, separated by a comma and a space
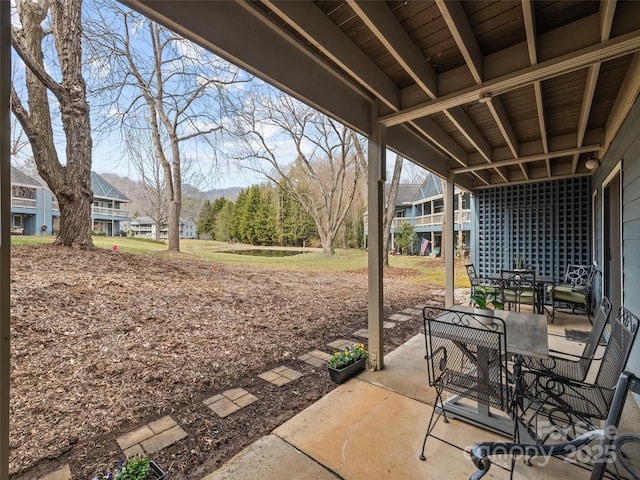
372, 427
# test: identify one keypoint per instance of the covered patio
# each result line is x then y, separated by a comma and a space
531, 106
373, 427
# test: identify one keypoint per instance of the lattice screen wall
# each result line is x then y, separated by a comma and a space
548, 222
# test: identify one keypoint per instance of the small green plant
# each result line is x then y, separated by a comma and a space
132, 468
483, 297
348, 356
519, 262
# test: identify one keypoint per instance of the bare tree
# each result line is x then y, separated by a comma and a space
70, 182
329, 165
391, 208
165, 85
141, 151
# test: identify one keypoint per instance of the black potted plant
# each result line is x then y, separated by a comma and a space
344, 365
138, 467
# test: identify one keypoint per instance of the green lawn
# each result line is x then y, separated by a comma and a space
429, 270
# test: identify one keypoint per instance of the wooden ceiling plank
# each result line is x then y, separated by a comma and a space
622, 45
310, 22
384, 25
461, 120
525, 171
530, 30
500, 116
527, 159
624, 101
456, 20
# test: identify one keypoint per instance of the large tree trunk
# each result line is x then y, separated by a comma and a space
391, 208
175, 201
70, 183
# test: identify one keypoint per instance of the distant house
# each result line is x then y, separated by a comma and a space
35, 210
422, 205
146, 227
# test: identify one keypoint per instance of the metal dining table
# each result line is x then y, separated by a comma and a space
541, 281
526, 335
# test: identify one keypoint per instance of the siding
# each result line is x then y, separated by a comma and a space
626, 149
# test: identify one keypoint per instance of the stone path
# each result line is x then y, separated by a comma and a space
151, 437
280, 375
165, 432
230, 401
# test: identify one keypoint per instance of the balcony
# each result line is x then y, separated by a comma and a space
110, 212
430, 220
23, 202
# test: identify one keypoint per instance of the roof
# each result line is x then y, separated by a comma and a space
490, 93
406, 192
431, 187
20, 178
103, 189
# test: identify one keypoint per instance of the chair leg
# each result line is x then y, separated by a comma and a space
432, 424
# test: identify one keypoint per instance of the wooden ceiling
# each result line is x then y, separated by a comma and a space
495, 92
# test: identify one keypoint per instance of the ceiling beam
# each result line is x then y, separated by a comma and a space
520, 182
627, 95
500, 116
456, 19
529, 18
430, 129
310, 22
461, 120
587, 100
385, 26
607, 10
566, 63
313, 25
410, 145
527, 159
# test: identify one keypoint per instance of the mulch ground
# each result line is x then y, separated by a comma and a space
103, 342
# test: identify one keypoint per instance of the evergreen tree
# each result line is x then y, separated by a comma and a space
237, 216
216, 206
248, 222
204, 227
222, 229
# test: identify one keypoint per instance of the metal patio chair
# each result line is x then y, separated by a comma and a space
572, 366
575, 290
466, 357
518, 287
567, 405
485, 284
611, 456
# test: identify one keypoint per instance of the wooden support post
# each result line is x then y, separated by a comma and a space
5, 238
449, 264
375, 200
